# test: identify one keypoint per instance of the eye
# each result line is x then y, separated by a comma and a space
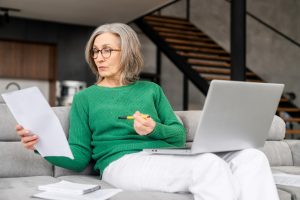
95, 50
106, 50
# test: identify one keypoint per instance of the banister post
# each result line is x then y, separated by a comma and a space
238, 40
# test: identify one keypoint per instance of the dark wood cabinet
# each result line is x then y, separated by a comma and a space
27, 60
33, 61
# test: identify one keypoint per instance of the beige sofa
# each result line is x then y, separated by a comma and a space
21, 171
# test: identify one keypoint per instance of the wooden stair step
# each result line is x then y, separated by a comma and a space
186, 37
255, 80
190, 43
198, 49
215, 64
287, 109
200, 63
291, 119
249, 73
204, 56
173, 26
212, 64
292, 131
213, 77
283, 99
165, 19
184, 32
210, 70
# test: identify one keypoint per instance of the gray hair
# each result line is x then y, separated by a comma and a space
131, 56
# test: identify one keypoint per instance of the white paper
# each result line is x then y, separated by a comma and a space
32, 111
287, 179
97, 195
69, 187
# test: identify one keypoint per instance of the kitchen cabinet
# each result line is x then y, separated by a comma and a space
28, 60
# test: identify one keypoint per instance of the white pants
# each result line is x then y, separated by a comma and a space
240, 175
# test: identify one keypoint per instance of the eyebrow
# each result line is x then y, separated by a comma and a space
103, 46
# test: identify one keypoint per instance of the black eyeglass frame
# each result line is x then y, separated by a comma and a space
95, 54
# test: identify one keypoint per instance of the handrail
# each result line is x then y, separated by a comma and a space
271, 28
158, 9
275, 30
168, 4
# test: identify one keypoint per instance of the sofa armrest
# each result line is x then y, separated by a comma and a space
278, 153
295, 149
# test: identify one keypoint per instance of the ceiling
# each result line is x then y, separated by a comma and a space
82, 12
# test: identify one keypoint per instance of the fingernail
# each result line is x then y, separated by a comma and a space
26, 131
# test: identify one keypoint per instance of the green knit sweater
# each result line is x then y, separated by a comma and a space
97, 133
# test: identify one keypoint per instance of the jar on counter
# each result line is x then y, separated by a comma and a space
67, 89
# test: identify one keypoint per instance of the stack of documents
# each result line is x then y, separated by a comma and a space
69, 187
65, 190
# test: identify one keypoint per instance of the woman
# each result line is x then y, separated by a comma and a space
113, 53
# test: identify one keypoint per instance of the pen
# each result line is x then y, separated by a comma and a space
131, 117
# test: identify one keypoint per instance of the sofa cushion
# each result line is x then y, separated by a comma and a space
62, 114
7, 125
286, 169
278, 153
129, 195
17, 161
294, 191
22, 187
277, 129
295, 149
58, 171
284, 195
190, 121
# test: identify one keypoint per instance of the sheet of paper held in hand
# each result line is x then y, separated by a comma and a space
32, 111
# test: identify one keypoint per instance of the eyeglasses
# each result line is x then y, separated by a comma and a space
106, 52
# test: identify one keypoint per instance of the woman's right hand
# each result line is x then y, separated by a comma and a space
28, 139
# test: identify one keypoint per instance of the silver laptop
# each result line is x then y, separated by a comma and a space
236, 115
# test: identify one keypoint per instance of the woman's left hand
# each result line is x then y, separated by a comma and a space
142, 125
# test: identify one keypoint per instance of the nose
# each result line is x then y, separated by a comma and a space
99, 58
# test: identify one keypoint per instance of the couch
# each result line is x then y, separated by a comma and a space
21, 171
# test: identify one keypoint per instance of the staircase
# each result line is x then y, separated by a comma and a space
201, 59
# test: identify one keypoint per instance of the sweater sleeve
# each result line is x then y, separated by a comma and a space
79, 138
169, 128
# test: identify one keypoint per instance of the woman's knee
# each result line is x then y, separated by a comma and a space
210, 160
255, 153
252, 156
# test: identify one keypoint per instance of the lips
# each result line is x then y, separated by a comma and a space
101, 68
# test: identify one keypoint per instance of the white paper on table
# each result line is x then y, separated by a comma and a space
101, 194
287, 179
69, 187
32, 111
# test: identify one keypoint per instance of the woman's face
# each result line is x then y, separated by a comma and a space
108, 63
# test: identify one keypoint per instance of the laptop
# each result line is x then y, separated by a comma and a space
236, 115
